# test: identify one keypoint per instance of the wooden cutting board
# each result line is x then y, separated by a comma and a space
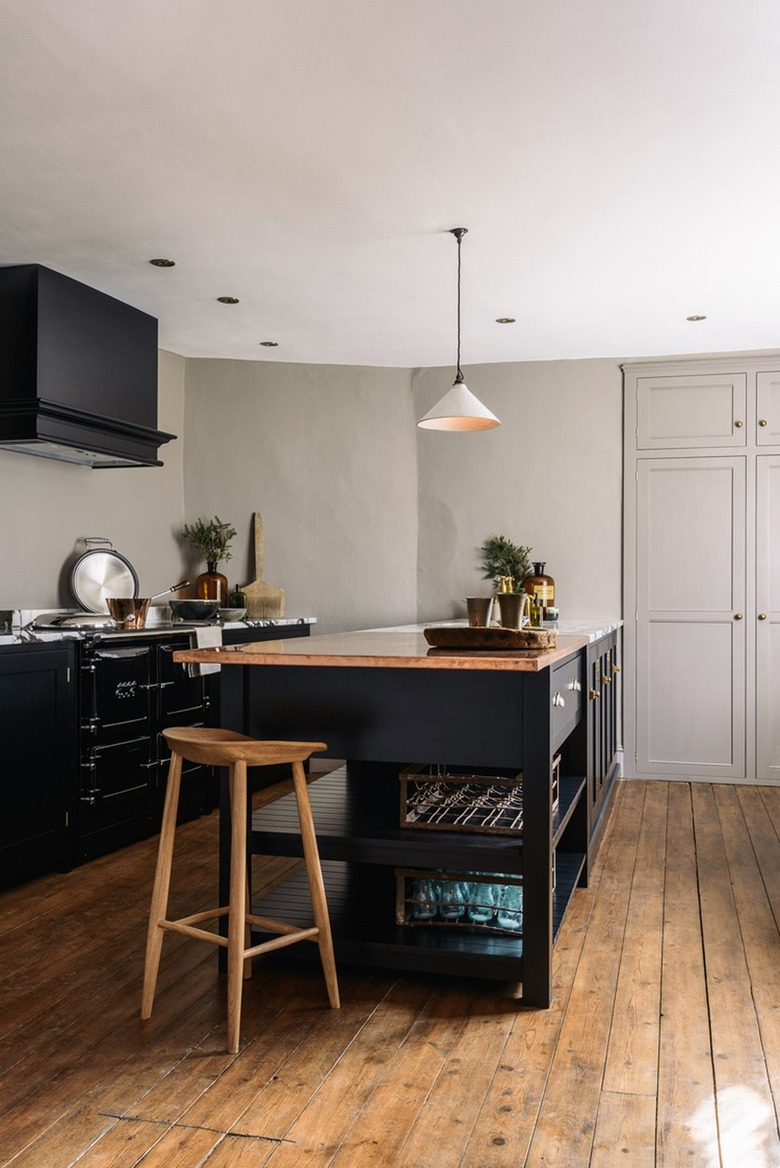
262, 601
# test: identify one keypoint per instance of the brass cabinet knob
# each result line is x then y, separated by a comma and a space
762, 422
606, 680
762, 616
737, 616
616, 669
739, 425
595, 693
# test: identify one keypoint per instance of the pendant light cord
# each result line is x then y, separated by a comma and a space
458, 232
459, 375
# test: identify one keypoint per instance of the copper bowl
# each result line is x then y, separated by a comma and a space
129, 612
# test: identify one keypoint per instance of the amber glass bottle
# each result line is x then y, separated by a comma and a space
541, 586
212, 585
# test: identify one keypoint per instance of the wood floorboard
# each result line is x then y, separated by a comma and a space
661, 1047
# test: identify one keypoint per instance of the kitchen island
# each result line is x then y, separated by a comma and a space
382, 700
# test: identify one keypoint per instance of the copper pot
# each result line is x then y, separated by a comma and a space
129, 612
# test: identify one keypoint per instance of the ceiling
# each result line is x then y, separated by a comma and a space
616, 164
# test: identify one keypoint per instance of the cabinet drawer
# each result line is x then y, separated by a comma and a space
566, 697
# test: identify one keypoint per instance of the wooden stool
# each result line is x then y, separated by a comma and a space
225, 748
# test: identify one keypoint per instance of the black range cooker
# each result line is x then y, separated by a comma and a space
130, 690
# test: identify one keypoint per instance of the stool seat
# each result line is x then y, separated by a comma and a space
227, 748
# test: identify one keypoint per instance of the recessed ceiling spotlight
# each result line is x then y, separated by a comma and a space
505, 320
270, 344
160, 263
696, 317
227, 299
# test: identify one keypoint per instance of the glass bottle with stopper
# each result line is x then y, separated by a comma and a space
541, 587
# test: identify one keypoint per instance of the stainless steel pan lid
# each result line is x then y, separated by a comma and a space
99, 573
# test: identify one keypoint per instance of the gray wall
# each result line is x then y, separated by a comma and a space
49, 506
327, 455
549, 477
368, 520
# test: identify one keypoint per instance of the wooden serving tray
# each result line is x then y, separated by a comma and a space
465, 637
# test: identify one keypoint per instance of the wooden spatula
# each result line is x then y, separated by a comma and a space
262, 601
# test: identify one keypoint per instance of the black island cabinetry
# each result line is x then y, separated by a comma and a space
381, 720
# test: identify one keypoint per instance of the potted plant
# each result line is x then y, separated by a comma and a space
502, 559
212, 539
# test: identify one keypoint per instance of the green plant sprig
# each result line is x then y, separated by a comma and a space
501, 557
211, 537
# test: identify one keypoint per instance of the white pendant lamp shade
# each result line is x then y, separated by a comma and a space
459, 409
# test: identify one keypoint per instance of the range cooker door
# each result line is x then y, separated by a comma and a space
180, 694
119, 799
116, 692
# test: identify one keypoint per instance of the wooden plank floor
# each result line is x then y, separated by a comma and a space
662, 1046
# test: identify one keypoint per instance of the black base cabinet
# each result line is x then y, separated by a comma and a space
38, 750
603, 671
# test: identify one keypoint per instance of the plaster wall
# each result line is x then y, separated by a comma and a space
550, 477
327, 455
48, 508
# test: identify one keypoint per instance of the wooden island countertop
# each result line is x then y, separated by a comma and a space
383, 649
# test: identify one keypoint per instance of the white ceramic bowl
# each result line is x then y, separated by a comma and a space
231, 614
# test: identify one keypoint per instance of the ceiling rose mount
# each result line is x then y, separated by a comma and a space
459, 409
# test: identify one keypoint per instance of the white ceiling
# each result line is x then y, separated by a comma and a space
615, 161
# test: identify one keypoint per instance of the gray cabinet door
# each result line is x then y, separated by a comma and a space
767, 617
691, 410
768, 409
690, 617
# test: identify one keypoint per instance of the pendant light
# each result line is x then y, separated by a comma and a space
459, 409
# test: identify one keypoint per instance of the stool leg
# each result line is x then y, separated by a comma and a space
238, 896
158, 910
319, 902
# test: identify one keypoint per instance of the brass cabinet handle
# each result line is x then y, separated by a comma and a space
737, 616
595, 693
762, 422
616, 669
606, 680
762, 616
739, 425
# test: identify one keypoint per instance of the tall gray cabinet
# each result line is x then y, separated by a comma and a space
702, 570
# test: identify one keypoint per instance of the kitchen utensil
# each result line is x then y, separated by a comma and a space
193, 609
129, 612
99, 573
173, 588
262, 601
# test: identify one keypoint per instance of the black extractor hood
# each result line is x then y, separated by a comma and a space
78, 372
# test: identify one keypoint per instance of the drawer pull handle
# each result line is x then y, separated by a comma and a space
559, 700
575, 685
